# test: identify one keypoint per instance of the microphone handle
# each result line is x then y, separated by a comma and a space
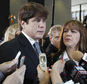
82, 81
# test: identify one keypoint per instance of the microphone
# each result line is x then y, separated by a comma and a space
65, 75
77, 55
81, 58
77, 73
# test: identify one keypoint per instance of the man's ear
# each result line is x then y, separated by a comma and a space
50, 37
22, 23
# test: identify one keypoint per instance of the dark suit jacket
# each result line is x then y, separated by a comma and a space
51, 50
46, 42
9, 50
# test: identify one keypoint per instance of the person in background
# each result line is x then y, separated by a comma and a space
11, 32
32, 23
46, 41
54, 36
85, 21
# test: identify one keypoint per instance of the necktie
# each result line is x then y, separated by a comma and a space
36, 45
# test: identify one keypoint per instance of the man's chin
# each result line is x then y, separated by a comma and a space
40, 36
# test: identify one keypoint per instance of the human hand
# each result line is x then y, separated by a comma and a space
16, 77
43, 76
57, 68
8, 67
58, 65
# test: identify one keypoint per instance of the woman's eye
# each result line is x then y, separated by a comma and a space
73, 31
65, 31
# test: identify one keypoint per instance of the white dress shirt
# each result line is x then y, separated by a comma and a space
66, 58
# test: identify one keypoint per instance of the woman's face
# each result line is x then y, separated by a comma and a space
71, 37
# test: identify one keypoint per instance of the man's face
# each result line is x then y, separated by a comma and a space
35, 28
55, 38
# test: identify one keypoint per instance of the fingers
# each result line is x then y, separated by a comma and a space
11, 64
8, 66
38, 66
16, 77
21, 70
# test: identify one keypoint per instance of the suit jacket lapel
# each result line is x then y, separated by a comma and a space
29, 49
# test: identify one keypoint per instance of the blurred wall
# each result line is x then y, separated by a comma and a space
76, 2
4, 13
62, 12
15, 6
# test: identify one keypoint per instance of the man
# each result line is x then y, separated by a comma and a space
54, 36
32, 22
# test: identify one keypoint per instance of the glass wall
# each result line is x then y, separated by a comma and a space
79, 11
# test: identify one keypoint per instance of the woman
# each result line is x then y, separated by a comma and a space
11, 32
73, 38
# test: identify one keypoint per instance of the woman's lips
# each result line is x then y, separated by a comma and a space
67, 39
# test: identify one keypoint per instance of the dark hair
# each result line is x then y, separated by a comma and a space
29, 10
74, 24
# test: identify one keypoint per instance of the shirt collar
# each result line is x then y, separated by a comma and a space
66, 58
29, 38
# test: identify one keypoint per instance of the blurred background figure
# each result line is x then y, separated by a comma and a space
54, 36
85, 21
46, 41
11, 32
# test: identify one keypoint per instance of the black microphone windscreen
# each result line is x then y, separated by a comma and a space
69, 65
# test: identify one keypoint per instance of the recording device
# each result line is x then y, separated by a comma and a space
18, 55
65, 75
43, 61
77, 73
22, 61
81, 58
22, 58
